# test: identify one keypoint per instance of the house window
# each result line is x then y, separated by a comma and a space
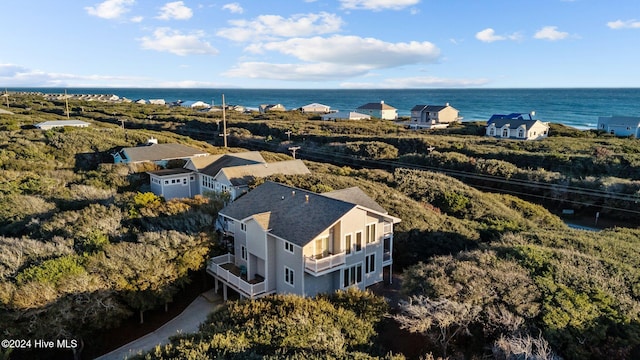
505, 132
243, 253
359, 241
370, 263
243, 226
521, 133
492, 131
322, 247
352, 275
184, 181
192, 178
288, 247
370, 233
288, 275
166, 182
347, 244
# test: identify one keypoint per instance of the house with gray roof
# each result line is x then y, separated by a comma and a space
48, 125
289, 240
226, 173
620, 125
379, 110
433, 116
156, 153
517, 126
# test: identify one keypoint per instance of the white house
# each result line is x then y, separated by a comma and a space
229, 173
433, 116
194, 104
345, 115
289, 240
379, 110
515, 126
264, 108
620, 125
316, 108
47, 125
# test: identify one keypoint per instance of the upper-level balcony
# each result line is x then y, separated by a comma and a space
225, 269
316, 265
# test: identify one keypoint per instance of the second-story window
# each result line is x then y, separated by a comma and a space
288, 276
243, 253
370, 263
243, 226
358, 241
347, 244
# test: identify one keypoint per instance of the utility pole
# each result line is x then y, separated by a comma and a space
66, 101
6, 95
224, 122
288, 132
293, 149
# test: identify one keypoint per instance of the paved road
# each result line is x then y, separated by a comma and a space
187, 322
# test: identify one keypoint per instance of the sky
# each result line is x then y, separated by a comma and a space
309, 44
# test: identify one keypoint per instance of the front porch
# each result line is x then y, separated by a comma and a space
224, 269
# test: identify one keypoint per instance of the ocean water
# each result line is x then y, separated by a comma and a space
579, 108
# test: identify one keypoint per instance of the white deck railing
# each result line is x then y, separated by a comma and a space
325, 263
235, 281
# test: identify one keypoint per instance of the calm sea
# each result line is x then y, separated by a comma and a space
579, 108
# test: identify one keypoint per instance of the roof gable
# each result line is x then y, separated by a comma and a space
376, 106
243, 175
231, 160
157, 152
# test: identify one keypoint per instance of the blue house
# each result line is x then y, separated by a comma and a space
620, 125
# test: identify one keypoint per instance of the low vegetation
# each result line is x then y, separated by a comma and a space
85, 246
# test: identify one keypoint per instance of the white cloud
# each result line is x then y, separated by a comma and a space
275, 26
355, 50
489, 35
234, 8
137, 19
295, 72
175, 10
550, 33
377, 5
18, 76
415, 82
175, 42
110, 9
624, 24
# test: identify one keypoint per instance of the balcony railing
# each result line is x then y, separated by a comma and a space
224, 268
387, 228
316, 265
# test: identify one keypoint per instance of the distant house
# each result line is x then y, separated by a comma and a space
47, 125
157, 102
516, 126
195, 104
620, 125
316, 108
379, 110
264, 108
288, 240
433, 116
345, 115
141, 101
230, 173
156, 153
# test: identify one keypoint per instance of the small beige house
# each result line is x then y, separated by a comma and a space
379, 110
516, 126
433, 116
316, 108
346, 115
264, 108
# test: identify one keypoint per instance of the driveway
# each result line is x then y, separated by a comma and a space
187, 322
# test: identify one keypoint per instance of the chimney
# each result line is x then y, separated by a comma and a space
293, 193
381, 101
447, 104
306, 198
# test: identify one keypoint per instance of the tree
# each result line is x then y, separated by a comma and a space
441, 320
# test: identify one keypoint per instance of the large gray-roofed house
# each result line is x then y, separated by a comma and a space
516, 126
288, 240
158, 153
296, 215
620, 125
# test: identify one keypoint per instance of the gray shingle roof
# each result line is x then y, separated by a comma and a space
355, 195
290, 215
230, 160
376, 106
157, 152
513, 123
243, 175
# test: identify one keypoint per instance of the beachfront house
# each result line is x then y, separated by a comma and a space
288, 240
379, 110
264, 108
345, 115
48, 125
227, 173
620, 125
316, 108
160, 154
517, 126
433, 116
194, 104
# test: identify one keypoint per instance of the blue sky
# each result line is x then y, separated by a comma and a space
320, 43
